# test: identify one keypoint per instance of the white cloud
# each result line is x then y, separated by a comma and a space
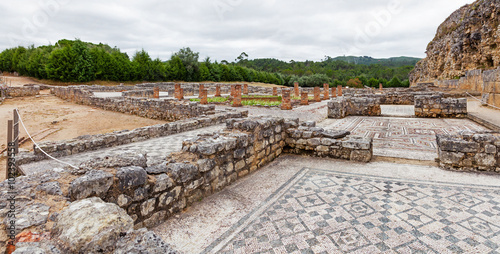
222, 29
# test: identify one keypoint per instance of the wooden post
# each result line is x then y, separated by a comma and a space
16, 131
9, 141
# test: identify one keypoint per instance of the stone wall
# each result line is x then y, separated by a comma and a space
333, 144
486, 82
470, 152
439, 106
144, 93
21, 91
168, 110
341, 107
95, 142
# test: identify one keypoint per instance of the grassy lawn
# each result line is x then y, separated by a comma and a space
260, 103
211, 99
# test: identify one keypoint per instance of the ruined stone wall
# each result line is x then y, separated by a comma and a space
439, 106
469, 152
341, 107
95, 142
168, 110
144, 93
22, 91
333, 144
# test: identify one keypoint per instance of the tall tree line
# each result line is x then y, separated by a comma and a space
78, 61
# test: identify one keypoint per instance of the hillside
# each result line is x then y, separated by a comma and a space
391, 62
466, 40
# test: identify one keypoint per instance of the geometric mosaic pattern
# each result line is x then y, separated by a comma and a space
413, 138
321, 211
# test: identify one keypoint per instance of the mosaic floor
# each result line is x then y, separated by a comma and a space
412, 138
320, 211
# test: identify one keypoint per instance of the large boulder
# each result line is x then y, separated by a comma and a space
91, 226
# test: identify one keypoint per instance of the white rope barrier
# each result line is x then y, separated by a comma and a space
37, 146
481, 101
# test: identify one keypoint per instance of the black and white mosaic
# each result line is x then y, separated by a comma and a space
321, 211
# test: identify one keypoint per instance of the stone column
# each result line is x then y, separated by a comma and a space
381, 86
304, 98
275, 91
334, 92
204, 96
156, 92
179, 92
286, 101
326, 90
296, 87
317, 94
340, 90
201, 88
245, 89
233, 91
217, 91
237, 96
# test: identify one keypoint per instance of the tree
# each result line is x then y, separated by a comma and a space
355, 83
373, 82
394, 82
190, 61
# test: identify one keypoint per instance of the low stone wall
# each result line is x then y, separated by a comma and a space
438, 106
95, 142
333, 144
21, 91
146, 93
168, 110
470, 152
341, 107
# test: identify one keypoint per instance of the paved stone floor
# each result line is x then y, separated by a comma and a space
411, 138
156, 149
308, 205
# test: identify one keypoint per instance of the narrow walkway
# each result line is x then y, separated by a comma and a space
157, 149
310, 205
487, 114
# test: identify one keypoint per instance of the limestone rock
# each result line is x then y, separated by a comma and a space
122, 160
93, 183
91, 226
182, 172
130, 177
29, 216
51, 188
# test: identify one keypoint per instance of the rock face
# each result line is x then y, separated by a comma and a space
91, 226
469, 39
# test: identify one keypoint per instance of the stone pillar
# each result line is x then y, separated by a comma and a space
326, 90
334, 92
233, 91
304, 98
179, 92
381, 87
340, 90
217, 91
245, 89
156, 92
204, 96
201, 88
317, 94
286, 101
296, 87
275, 91
237, 96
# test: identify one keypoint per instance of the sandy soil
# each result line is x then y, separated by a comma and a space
17, 81
49, 118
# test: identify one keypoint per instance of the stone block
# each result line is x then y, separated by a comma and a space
131, 177
93, 183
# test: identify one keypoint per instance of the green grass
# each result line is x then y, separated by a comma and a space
299, 98
211, 99
260, 103
260, 96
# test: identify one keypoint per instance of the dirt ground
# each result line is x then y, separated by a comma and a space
49, 118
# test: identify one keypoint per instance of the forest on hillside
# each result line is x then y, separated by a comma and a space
78, 61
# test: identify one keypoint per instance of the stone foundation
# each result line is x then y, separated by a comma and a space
470, 152
146, 93
438, 106
20, 91
341, 107
168, 110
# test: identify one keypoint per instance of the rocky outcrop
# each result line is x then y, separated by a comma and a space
468, 39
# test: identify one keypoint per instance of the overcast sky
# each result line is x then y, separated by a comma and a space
222, 29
